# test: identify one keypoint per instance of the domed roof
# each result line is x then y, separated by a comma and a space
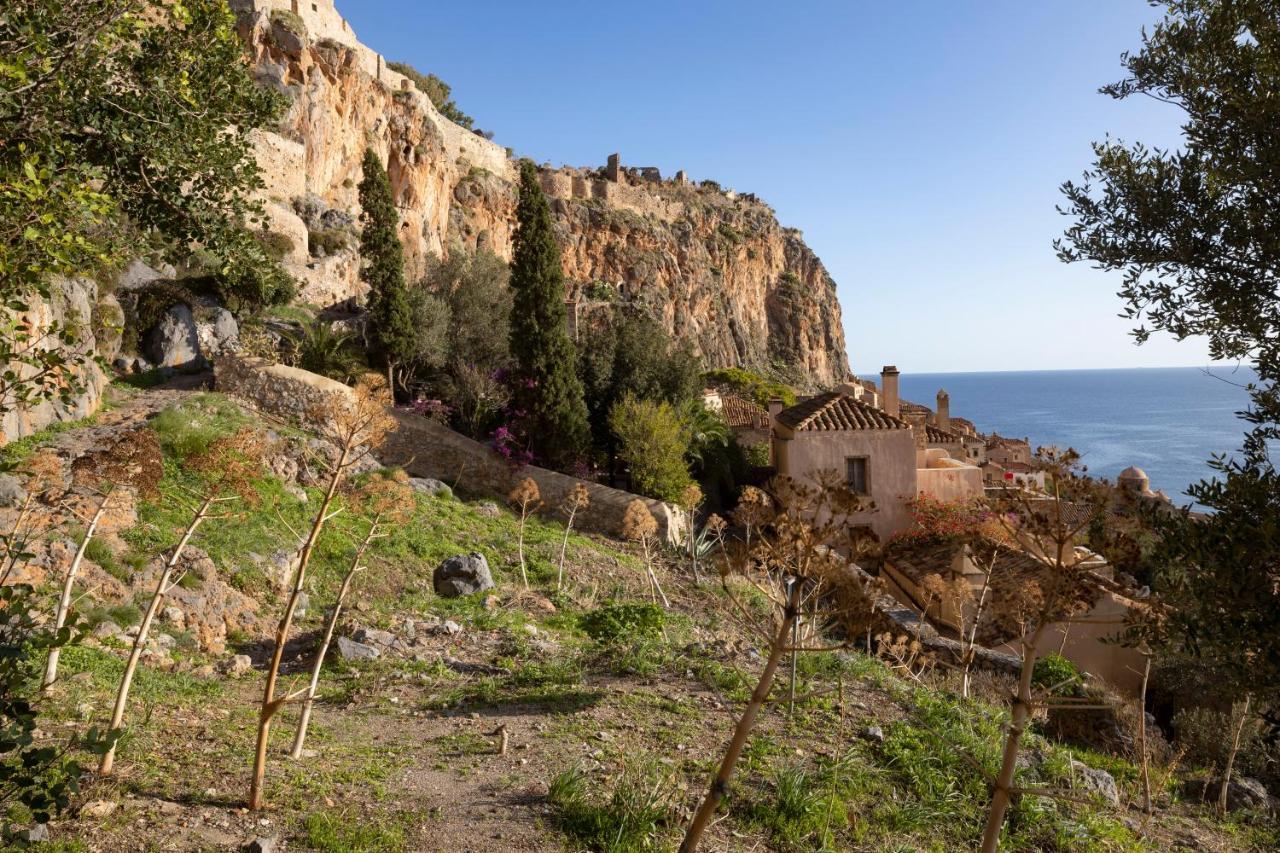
1133, 472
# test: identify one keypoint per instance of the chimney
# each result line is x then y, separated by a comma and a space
917, 420
775, 409
889, 389
944, 410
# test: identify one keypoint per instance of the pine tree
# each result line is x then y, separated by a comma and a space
548, 390
390, 329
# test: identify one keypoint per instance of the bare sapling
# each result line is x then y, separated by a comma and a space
387, 500
43, 482
526, 498
133, 461
352, 425
228, 465
1047, 528
639, 525
574, 502
1231, 755
690, 500
799, 558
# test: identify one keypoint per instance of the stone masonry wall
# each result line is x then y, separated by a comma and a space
425, 448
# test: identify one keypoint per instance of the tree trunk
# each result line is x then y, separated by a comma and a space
304, 720
126, 680
11, 549
1231, 756
564, 546
653, 578
524, 575
1142, 738
720, 784
1021, 714
270, 704
64, 602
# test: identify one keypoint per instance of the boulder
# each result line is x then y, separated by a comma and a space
174, 342
263, 844
488, 509
236, 666
462, 575
218, 332
351, 650
1243, 793
1095, 781
11, 491
372, 636
137, 275
428, 486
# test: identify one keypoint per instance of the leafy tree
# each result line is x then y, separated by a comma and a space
752, 385
548, 391
389, 327
652, 441
1194, 232
475, 288
436, 90
126, 123
633, 354
431, 335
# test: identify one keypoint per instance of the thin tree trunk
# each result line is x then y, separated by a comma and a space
795, 661
304, 720
524, 575
270, 704
64, 602
126, 680
11, 540
720, 784
1231, 756
1021, 714
564, 546
968, 650
653, 578
1142, 738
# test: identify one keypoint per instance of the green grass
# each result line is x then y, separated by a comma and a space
336, 832
15, 452
632, 818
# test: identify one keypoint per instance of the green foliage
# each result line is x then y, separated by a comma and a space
758, 455
389, 329
805, 812
475, 288
752, 385
334, 832
632, 353
190, 426
630, 820
35, 779
548, 390
1191, 228
322, 242
323, 349
624, 621
436, 90
1054, 670
651, 440
431, 336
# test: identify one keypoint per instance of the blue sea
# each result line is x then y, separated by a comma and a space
1166, 421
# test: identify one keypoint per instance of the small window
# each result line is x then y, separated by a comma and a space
856, 472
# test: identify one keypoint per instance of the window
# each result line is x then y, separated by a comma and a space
856, 474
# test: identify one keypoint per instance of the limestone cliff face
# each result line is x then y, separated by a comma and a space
716, 267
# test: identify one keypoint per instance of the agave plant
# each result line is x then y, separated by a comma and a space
322, 348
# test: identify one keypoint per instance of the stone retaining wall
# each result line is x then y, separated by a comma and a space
425, 448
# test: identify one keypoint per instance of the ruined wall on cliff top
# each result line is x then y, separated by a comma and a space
714, 266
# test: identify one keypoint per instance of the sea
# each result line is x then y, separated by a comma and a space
1167, 421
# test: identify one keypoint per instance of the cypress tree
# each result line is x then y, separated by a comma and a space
548, 390
389, 330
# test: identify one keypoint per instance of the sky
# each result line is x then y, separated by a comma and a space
918, 144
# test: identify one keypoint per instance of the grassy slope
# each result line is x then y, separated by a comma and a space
613, 737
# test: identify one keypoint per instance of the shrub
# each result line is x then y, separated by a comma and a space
651, 439
1054, 670
753, 385
277, 245
329, 241
615, 622
320, 348
758, 455
436, 90
629, 821
290, 21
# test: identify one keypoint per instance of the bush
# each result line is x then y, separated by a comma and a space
758, 455
323, 242
330, 352
277, 245
624, 622
629, 821
651, 440
752, 385
1054, 670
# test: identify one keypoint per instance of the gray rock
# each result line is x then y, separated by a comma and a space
351, 650
36, 834
236, 666
874, 734
263, 844
428, 486
462, 575
488, 509
451, 628
218, 333
136, 275
1096, 781
106, 629
372, 636
175, 342
124, 364
1243, 793
11, 491
175, 615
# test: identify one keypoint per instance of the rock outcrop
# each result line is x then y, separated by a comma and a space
714, 266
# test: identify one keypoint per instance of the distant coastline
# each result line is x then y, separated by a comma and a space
1166, 420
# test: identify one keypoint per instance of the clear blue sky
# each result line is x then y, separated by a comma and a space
918, 145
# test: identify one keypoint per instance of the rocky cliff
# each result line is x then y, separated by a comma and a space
715, 266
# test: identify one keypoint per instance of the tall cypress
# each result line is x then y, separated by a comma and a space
548, 390
389, 329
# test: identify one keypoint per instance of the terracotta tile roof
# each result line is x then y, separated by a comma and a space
905, 406
740, 413
835, 411
1001, 441
935, 435
964, 425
